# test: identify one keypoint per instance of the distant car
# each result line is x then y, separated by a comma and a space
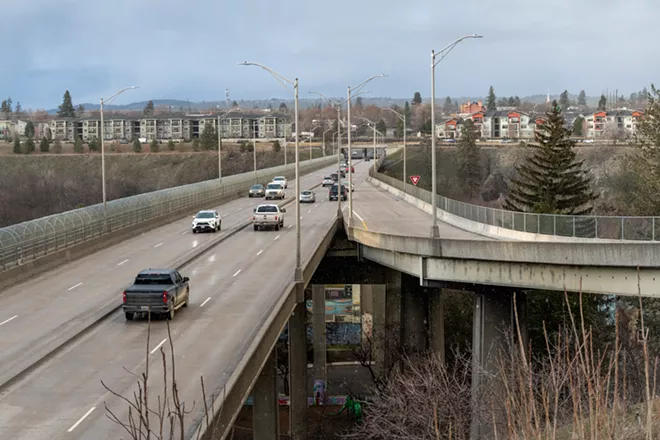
307, 196
268, 216
328, 181
274, 191
257, 190
334, 192
334, 177
281, 180
206, 220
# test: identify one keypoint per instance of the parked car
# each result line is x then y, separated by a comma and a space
206, 220
274, 191
307, 196
257, 190
334, 192
281, 180
328, 180
156, 291
268, 216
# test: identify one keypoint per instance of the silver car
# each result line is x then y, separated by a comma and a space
307, 196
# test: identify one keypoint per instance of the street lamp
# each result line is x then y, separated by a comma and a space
284, 81
373, 124
220, 118
435, 232
108, 101
350, 159
329, 129
402, 117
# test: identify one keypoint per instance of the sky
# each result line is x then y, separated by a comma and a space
178, 50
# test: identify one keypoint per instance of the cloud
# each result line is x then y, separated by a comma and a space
191, 50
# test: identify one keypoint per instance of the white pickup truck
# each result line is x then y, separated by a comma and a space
281, 180
275, 191
268, 216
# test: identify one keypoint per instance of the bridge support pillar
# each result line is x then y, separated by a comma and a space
265, 418
379, 313
393, 311
437, 322
320, 343
415, 311
298, 373
494, 332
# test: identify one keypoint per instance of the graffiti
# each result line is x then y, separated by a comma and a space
319, 392
286, 401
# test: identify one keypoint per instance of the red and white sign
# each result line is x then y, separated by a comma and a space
414, 180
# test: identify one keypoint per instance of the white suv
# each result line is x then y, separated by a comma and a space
274, 190
206, 220
281, 180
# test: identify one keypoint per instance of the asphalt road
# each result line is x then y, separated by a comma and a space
233, 288
39, 314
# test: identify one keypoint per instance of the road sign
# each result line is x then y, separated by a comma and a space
414, 180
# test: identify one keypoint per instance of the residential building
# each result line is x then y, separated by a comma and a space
494, 124
471, 107
614, 123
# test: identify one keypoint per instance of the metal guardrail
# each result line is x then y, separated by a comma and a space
600, 227
29, 240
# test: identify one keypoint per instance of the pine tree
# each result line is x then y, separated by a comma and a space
18, 108
137, 146
208, 139
28, 146
551, 180
94, 145
66, 109
358, 102
154, 147
470, 171
407, 112
29, 129
578, 126
17, 145
170, 145
447, 106
81, 110
149, 109
195, 144
491, 102
78, 146
582, 98
44, 145
564, 100
417, 99
602, 103
276, 146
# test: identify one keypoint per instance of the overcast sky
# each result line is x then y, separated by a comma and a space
190, 50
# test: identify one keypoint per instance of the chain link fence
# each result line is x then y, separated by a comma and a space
29, 240
602, 227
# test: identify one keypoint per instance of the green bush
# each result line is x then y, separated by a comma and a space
137, 146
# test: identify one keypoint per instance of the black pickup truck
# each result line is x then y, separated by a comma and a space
161, 291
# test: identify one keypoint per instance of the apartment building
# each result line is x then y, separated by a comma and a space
177, 128
498, 124
611, 124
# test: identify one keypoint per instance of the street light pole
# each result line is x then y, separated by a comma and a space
350, 159
102, 133
403, 119
435, 232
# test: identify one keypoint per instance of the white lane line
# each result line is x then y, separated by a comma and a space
276, 238
358, 216
290, 226
205, 301
73, 287
237, 272
309, 211
185, 232
159, 244
122, 262
259, 253
75, 425
158, 346
8, 320
316, 206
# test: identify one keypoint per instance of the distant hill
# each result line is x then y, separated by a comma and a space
178, 104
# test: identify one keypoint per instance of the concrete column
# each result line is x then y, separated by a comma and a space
414, 315
437, 323
494, 320
378, 295
320, 343
393, 330
265, 417
298, 373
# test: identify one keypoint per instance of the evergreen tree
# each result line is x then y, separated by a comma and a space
470, 171
447, 106
17, 145
78, 146
66, 109
149, 109
276, 146
516, 102
407, 112
195, 144
28, 146
551, 180
380, 126
137, 146
358, 102
5, 108
564, 100
29, 129
282, 106
81, 110
234, 104
154, 147
94, 145
582, 98
491, 102
602, 103
578, 126
170, 145
44, 145
18, 109
417, 99
208, 139
511, 102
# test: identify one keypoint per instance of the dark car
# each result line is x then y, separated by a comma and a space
332, 194
257, 190
156, 291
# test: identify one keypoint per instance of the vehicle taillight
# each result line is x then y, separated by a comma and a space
275, 218
165, 297
254, 217
124, 296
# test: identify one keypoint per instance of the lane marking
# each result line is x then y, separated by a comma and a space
361, 219
290, 226
276, 238
159, 244
309, 211
205, 301
158, 346
122, 262
77, 285
237, 272
259, 253
185, 232
75, 425
8, 320
316, 206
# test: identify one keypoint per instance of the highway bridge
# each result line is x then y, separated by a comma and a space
61, 332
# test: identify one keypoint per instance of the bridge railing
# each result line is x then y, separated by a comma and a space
29, 240
601, 227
